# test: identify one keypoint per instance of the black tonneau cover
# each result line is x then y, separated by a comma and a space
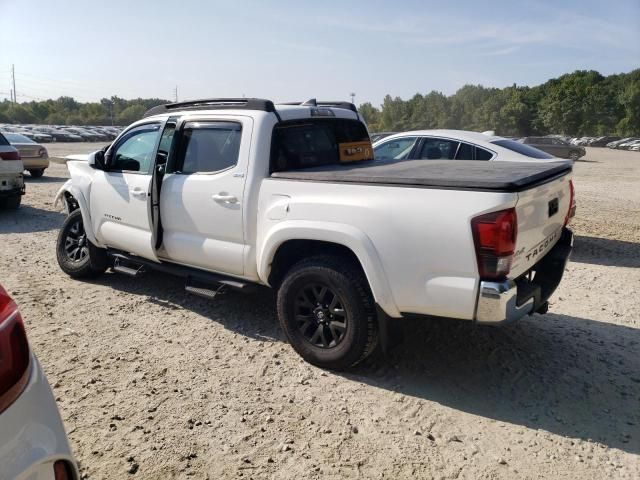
454, 174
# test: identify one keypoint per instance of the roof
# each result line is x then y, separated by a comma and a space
288, 110
465, 135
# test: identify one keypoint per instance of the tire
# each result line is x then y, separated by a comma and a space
573, 155
85, 260
12, 203
346, 332
37, 172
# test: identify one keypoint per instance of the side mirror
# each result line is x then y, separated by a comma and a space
394, 145
97, 160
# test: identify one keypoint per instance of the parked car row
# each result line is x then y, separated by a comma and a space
628, 143
63, 133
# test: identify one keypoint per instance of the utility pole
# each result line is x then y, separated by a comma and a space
175, 94
13, 78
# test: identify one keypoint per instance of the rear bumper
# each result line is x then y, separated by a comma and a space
510, 300
35, 162
12, 192
32, 436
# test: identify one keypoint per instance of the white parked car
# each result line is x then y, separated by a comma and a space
233, 192
11, 177
33, 443
455, 145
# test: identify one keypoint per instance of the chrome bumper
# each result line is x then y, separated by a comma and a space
499, 302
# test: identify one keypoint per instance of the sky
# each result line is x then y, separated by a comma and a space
290, 50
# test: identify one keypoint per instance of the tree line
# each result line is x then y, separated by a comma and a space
576, 104
68, 111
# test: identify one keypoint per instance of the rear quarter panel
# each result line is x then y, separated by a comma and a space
420, 237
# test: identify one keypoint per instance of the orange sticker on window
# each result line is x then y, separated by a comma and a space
355, 151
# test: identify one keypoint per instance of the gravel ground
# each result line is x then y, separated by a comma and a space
155, 383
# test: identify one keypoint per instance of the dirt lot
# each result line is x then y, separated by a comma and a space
155, 383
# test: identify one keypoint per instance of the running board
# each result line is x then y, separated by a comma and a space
204, 292
132, 272
191, 274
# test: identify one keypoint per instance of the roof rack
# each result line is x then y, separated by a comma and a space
215, 104
324, 103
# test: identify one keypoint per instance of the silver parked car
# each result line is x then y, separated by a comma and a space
34, 156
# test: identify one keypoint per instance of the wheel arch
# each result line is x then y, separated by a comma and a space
290, 242
72, 199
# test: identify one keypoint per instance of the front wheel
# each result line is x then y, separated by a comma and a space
574, 155
326, 310
76, 255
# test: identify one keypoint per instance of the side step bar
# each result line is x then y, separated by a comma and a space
190, 274
205, 292
120, 268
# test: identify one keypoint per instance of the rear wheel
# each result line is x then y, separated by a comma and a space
36, 172
326, 310
76, 255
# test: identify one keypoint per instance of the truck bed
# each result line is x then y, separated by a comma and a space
450, 174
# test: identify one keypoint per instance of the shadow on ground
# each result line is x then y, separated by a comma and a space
27, 219
566, 375
605, 251
569, 376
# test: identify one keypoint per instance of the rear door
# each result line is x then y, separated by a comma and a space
120, 197
201, 199
561, 149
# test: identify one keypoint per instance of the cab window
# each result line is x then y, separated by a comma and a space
318, 142
395, 149
134, 152
209, 147
438, 149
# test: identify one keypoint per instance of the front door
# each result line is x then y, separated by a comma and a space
201, 200
119, 199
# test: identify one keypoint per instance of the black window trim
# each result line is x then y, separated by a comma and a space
123, 137
180, 128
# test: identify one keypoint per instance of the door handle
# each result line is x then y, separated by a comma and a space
224, 198
138, 192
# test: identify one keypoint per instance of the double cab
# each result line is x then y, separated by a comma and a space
228, 193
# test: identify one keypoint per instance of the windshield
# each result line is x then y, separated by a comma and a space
522, 149
17, 138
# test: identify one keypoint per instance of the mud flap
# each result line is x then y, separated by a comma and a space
389, 332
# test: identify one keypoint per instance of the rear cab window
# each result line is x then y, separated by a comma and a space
522, 149
306, 143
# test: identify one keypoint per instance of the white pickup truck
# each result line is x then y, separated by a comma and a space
234, 192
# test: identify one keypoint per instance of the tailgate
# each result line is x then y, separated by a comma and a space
541, 214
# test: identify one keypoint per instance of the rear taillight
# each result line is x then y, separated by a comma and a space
494, 235
10, 155
572, 204
14, 352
